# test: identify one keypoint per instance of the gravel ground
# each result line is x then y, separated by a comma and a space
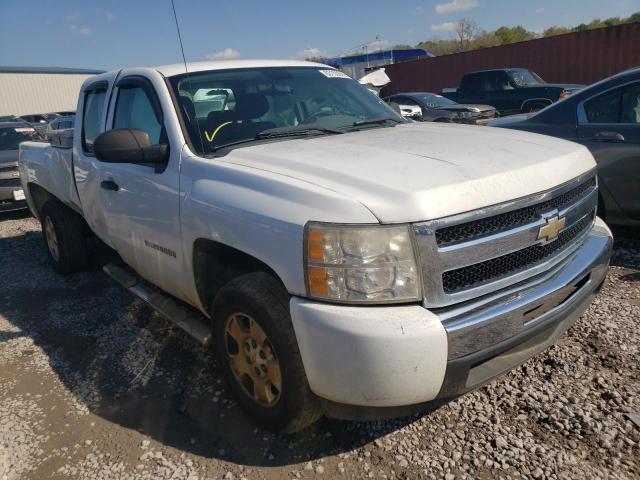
94, 385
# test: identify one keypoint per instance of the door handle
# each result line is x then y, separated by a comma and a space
109, 185
609, 137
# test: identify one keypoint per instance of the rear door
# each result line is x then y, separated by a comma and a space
92, 109
609, 125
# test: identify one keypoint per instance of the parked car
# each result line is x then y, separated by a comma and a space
604, 117
11, 134
341, 260
430, 107
40, 121
60, 131
509, 90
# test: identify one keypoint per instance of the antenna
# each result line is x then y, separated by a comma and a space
186, 71
184, 59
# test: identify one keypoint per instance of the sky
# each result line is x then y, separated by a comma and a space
109, 34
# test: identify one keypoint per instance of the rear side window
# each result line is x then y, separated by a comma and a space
604, 108
91, 117
134, 110
630, 105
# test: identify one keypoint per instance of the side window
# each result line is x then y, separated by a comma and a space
92, 114
135, 110
495, 82
630, 107
604, 108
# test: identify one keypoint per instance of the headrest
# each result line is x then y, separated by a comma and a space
219, 116
251, 105
187, 106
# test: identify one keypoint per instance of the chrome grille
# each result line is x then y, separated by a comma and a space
473, 254
467, 277
505, 221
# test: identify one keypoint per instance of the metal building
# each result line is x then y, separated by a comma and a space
34, 90
356, 66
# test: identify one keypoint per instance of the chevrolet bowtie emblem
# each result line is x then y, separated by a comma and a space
552, 228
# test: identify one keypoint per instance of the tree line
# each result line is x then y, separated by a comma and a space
471, 37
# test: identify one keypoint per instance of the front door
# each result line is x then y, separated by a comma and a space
141, 202
609, 125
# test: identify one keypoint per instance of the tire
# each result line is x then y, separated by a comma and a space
64, 236
534, 107
260, 298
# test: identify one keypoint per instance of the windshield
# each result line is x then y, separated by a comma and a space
10, 137
432, 100
523, 78
227, 106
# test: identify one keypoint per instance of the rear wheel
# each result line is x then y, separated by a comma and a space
64, 236
258, 352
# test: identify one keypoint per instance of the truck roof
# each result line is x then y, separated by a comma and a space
178, 68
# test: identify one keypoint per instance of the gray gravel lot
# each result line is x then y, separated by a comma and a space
94, 385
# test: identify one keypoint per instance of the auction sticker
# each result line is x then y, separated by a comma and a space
334, 74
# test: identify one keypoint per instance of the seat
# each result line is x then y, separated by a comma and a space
228, 126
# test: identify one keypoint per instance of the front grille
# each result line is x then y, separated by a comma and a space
496, 268
10, 182
506, 221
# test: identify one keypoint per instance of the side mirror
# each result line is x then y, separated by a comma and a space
128, 145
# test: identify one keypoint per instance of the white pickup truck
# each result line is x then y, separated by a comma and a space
340, 259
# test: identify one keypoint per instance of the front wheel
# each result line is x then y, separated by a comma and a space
535, 107
258, 352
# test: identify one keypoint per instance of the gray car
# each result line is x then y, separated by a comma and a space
604, 117
11, 134
431, 107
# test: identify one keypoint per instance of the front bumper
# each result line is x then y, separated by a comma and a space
380, 362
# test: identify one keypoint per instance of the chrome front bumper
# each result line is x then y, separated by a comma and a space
495, 334
485, 337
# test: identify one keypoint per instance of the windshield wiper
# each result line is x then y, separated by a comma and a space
281, 132
296, 130
376, 120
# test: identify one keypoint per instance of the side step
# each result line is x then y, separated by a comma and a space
181, 315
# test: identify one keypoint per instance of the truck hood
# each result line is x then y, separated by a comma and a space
423, 171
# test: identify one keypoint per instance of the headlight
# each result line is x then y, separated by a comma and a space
361, 263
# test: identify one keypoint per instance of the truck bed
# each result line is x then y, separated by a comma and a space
51, 168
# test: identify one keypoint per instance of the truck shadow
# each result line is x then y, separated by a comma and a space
124, 363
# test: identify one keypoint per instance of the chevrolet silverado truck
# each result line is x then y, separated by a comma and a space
341, 260
509, 90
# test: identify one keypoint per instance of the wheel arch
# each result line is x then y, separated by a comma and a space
39, 196
542, 101
215, 264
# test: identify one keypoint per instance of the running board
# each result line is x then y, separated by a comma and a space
182, 316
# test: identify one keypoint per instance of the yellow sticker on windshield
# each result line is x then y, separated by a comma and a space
215, 132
